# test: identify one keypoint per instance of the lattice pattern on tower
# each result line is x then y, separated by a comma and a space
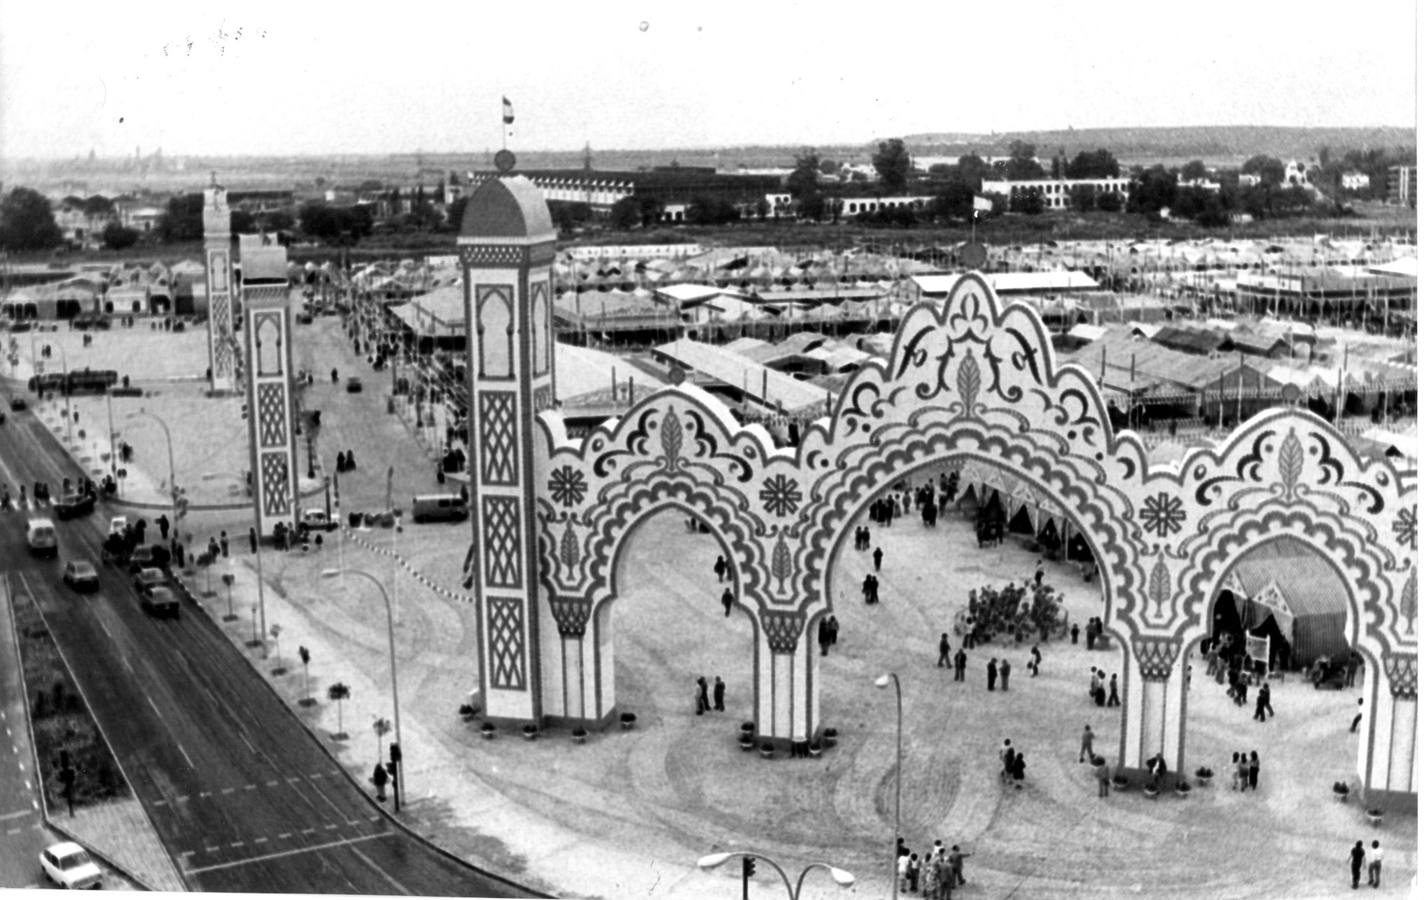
506, 629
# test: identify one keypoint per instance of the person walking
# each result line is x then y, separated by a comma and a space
1235, 771
912, 874
961, 660
944, 661
1112, 691
823, 636
1073, 634
877, 556
1243, 770
1357, 862
1375, 856
1006, 760
833, 628
1263, 702
874, 589
719, 694
720, 567
252, 539
163, 527
222, 544
956, 865
728, 600
867, 587
1038, 575
993, 673
1104, 777
1035, 660
1253, 770
1004, 674
702, 704
1085, 745
379, 778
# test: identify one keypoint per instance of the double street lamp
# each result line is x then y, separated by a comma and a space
168, 438
398, 759
841, 876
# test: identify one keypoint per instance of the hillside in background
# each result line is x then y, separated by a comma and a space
1213, 144
1224, 145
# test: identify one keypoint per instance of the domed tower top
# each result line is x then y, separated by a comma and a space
507, 208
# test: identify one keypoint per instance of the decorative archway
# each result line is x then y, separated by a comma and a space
973, 378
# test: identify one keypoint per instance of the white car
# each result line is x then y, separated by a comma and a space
118, 524
68, 865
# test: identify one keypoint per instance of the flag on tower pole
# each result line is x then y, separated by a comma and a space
508, 112
982, 204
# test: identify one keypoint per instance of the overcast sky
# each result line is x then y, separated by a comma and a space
282, 78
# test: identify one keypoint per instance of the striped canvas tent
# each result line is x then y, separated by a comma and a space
1297, 588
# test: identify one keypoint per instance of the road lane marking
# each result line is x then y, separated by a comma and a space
16, 814
211, 849
8, 732
182, 799
202, 794
382, 872
308, 831
345, 842
272, 783
236, 844
27, 785
160, 803
107, 633
284, 835
250, 787
243, 735
261, 840
154, 706
186, 758
333, 827
226, 791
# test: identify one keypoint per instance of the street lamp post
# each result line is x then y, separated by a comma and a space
168, 439
885, 681
64, 387
841, 876
395, 693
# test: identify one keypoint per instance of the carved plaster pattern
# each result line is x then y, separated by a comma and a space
506, 627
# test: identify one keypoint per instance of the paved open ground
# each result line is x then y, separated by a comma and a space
628, 813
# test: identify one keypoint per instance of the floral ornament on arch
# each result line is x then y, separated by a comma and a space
567, 486
1163, 514
780, 495
1406, 527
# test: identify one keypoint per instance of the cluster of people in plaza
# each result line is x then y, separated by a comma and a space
935, 875
1013, 610
1100, 693
1358, 856
1245, 771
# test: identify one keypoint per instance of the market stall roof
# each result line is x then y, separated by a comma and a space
735, 371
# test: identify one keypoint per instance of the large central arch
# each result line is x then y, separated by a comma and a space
971, 377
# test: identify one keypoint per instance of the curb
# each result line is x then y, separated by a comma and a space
365, 796
34, 749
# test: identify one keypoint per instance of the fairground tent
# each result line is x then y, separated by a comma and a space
1294, 586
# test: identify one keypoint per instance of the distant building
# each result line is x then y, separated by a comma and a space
1057, 192
670, 185
1248, 179
1355, 181
1205, 184
1296, 175
854, 206
1404, 185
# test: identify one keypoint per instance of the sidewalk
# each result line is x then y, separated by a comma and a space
120, 831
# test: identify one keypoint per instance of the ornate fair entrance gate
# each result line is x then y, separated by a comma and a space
972, 378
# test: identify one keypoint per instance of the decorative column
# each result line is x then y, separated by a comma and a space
1389, 733
1152, 697
506, 247
270, 404
217, 248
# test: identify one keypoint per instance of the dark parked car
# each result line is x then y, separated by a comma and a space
353, 385
148, 578
73, 506
141, 557
18, 403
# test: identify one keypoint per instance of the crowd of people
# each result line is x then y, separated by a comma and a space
1017, 611
935, 875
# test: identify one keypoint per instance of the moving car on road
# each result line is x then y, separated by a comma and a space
160, 600
317, 520
80, 575
68, 865
41, 538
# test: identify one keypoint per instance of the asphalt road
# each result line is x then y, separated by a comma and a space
242, 796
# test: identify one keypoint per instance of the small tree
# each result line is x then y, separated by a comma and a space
305, 656
117, 237
276, 632
337, 693
892, 164
382, 727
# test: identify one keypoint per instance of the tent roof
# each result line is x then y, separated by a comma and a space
1306, 581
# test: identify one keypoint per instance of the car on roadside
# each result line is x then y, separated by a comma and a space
317, 520
148, 577
69, 865
353, 385
18, 403
118, 525
72, 506
141, 557
160, 600
81, 575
